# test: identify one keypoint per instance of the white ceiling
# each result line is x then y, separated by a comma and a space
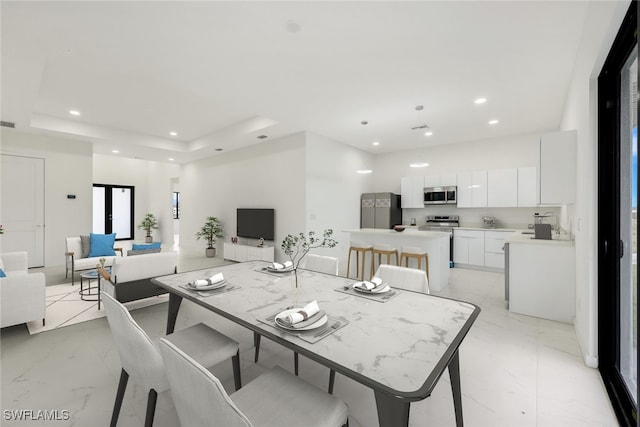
222, 73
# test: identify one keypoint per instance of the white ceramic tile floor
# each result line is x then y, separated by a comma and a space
515, 370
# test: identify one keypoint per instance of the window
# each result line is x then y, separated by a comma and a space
176, 205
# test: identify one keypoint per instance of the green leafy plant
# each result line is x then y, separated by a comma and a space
149, 223
298, 246
211, 229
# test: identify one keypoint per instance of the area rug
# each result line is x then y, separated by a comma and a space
65, 307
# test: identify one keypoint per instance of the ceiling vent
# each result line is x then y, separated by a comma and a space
420, 127
262, 137
7, 124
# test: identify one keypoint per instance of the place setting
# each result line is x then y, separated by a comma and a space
374, 289
308, 323
278, 268
210, 286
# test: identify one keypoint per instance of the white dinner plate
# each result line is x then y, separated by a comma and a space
279, 270
208, 287
320, 322
377, 290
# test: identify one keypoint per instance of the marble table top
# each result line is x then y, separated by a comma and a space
400, 347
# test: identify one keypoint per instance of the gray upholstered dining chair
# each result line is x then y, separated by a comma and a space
313, 262
411, 279
141, 359
275, 398
321, 263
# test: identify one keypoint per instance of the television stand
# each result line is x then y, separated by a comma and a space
241, 253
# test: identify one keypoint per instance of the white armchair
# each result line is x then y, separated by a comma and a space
22, 295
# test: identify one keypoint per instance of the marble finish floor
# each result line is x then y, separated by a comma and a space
515, 370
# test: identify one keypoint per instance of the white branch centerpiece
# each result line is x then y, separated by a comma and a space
298, 246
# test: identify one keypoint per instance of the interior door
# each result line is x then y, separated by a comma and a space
22, 207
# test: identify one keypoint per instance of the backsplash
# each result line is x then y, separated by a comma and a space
517, 218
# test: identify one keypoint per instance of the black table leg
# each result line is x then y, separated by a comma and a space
454, 375
172, 315
392, 412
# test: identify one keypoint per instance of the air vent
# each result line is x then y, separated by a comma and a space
262, 137
420, 127
7, 124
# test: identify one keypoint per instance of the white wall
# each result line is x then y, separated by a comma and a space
153, 189
333, 190
269, 175
67, 170
581, 113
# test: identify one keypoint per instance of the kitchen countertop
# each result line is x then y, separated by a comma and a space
411, 230
525, 238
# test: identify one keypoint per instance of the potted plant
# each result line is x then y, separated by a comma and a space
209, 231
150, 222
297, 247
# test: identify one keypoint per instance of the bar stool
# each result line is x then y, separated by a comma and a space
412, 252
359, 248
383, 249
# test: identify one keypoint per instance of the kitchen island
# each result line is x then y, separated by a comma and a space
540, 277
435, 243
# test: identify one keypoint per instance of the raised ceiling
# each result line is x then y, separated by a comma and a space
220, 74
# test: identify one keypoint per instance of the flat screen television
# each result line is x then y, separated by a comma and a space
255, 223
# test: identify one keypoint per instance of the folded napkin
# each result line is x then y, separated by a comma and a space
216, 278
369, 285
278, 266
299, 316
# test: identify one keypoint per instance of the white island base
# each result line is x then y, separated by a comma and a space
435, 243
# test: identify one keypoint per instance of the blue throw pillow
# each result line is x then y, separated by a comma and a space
138, 247
102, 245
2, 273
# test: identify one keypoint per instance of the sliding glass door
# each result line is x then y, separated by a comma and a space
113, 210
617, 222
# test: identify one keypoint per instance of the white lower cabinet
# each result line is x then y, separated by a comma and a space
494, 248
468, 247
241, 253
480, 248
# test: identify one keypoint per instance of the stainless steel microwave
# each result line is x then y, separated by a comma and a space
440, 195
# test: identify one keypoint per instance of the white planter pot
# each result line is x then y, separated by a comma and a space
211, 252
148, 239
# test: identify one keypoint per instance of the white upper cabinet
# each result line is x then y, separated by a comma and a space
557, 169
502, 188
472, 189
527, 187
412, 191
441, 180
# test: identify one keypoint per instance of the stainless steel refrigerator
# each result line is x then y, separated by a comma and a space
380, 210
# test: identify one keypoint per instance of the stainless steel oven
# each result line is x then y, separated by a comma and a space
444, 223
440, 195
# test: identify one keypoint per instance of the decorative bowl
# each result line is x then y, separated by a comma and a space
398, 228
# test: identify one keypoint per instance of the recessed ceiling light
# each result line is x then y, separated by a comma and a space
493, 122
74, 112
376, 143
428, 133
171, 159
115, 151
480, 100
419, 165
173, 133
364, 171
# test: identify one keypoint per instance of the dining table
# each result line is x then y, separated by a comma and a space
398, 343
